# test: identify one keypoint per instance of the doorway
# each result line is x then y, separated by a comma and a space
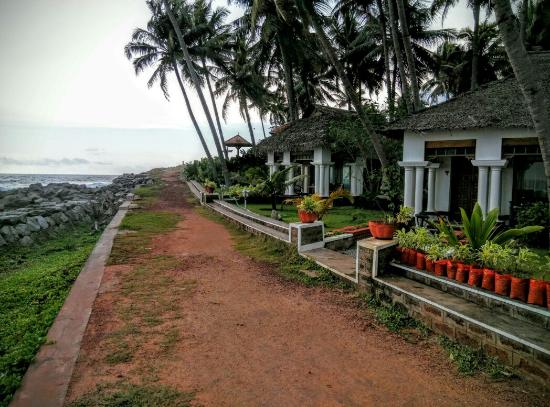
463, 186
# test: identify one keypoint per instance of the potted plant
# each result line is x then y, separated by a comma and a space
521, 267
308, 210
464, 256
437, 253
538, 287
488, 255
385, 228
403, 244
423, 240
209, 186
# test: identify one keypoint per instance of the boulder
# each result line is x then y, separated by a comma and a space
33, 224
9, 233
2, 241
25, 241
23, 229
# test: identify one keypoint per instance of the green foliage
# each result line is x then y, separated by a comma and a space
465, 254
405, 215
133, 395
34, 282
309, 205
495, 256
210, 184
236, 191
535, 213
470, 361
423, 239
201, 170
438, 251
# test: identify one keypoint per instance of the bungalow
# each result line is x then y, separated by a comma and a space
308, 144
478, 147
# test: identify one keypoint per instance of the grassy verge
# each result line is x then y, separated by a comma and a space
337, 217
34, 282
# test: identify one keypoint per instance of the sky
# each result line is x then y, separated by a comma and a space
70, 102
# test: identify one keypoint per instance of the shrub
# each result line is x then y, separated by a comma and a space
534, 214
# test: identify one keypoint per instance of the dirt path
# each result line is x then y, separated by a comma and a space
229, 330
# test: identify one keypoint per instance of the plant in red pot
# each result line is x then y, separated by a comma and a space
437, 253
210, 186
496, 260
538, 284
404, 243
422, 241
308, 210
522, 266
463, 256
385, 228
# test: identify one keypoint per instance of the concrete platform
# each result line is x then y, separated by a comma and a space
337, 262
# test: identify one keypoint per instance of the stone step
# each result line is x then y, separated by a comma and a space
249, 224
516, 342
264, 220
496, 303
337, 262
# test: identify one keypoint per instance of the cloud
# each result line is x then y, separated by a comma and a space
50, 162
95, 150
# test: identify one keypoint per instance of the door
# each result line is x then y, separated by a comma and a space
463, 186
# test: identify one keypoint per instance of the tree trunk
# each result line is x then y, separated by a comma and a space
193, 119
365, 121
215, 107
475, 46
399, 57
263, 128
528, 76
289, 84
409, 53
523, 17
383, 32
196, 82
252, 139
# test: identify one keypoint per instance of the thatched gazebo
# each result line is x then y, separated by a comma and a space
238, 142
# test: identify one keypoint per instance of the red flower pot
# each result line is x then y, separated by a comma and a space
440, 268
373, 225
537, 292
488, 279
420, 261
518, 288
381, 230
548, 295
412, 258
209, 189
403, 255
502, 284
475, 277
451, 269
306, 217
462, 271
429, 265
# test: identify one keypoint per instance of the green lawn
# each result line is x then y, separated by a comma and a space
337, 217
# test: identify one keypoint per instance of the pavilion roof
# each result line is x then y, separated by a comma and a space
237, 141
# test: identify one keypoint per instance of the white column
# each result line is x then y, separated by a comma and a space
317, 178
326, 180
321, 179
409, 187
494, 197
305, 173
418, 190
431, 187
482, 186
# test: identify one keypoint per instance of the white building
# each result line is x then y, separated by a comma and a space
479, 146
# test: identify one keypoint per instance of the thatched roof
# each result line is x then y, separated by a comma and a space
499, 104
307, 133
237, 141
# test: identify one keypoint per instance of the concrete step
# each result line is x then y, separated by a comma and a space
337, 262
249, 224
516, 342
533, 314
264, 220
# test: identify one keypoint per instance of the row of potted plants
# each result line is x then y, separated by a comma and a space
485, 258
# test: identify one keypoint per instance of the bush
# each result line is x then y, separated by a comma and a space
535, 213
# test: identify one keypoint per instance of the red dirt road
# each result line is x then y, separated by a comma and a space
246, 338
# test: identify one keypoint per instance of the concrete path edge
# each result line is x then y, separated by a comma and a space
47, 379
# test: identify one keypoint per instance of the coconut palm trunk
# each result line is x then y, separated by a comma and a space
215, 107
528, 77
247, 116
263, 128
193, 119
197, 84
476, 7
350, 91
399, 57
289, 83
383, 32
408, 53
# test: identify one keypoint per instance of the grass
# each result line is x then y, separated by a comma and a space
34, 282
336, 218
149, 194
133, 395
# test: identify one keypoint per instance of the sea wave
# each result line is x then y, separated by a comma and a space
13, 181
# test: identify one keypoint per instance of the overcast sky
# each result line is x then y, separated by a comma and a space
71, 103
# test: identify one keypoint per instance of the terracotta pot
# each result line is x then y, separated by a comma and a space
518, 288
381, 230
412, 257
502, 284
548, 295
488, 280
440, 268
451, 269
373, 225
537, 292
403, 255
420, 261
475, 276
462, 271
209, 189
306, 217
429, 265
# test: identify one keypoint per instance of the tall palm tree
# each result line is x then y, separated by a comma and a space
529, 79
154, 47
195, 80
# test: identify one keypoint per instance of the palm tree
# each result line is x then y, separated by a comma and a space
196, 82
448, 65
154, 47
528, 77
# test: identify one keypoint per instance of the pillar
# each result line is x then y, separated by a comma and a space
482, 186
305, 173
409, 187
317, 179
431, 187
289, 176
494, 197
418, 190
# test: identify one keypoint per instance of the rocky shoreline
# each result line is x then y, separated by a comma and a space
30, 214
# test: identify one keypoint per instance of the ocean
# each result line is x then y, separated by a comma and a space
12, 181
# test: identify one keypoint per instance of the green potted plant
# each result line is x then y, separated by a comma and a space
488, 255
538, 286
385, 228
437, 253
209, 186
403, 244
464, 257
308, 210
423, 240
521, 267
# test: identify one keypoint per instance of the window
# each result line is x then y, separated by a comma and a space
529, 179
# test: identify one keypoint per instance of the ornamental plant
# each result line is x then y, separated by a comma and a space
464, 254
405, 215
210, 184
309, 205
404, 239
495, 256
523, 263
423, 239
437, 251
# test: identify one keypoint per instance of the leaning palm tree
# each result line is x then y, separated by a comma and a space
529, 79
180, 8
153, 47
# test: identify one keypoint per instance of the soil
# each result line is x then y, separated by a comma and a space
241, 336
